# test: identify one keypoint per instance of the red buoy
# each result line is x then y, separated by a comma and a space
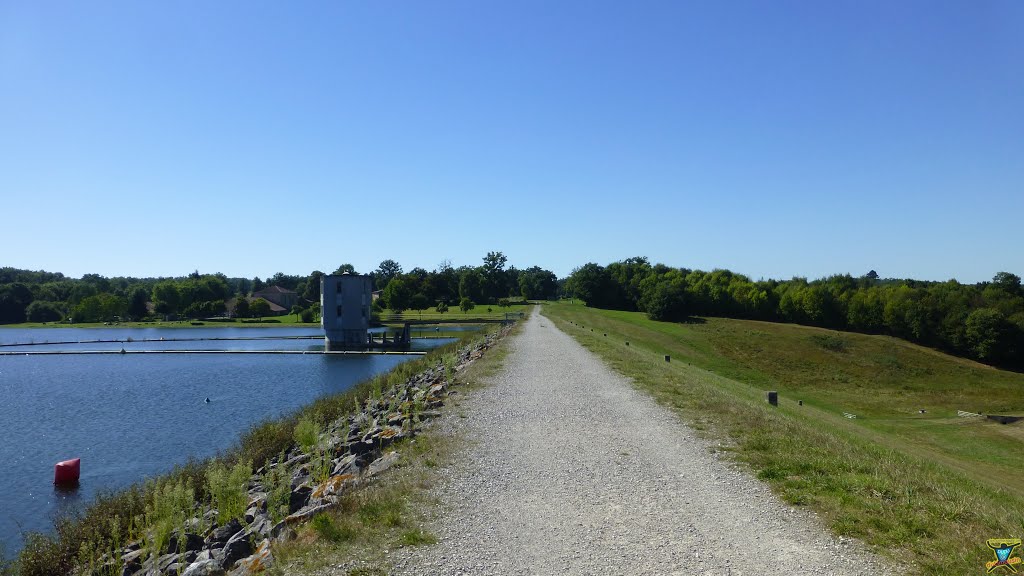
67, 472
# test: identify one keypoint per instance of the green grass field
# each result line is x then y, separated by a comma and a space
926, 488
454, 313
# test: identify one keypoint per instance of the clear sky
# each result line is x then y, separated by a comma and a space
772, 138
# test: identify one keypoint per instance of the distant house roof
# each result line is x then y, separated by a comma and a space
230, 305
274, 290
273, 307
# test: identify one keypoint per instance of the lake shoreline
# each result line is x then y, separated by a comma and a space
257, 446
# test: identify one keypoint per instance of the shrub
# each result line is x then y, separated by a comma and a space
307, 433
265, 440
227, 489
171, 503
277, 482
327, 529
830, 342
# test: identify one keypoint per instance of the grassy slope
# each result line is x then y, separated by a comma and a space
928, 488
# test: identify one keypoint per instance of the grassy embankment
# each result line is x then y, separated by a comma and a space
926, 488
116, 518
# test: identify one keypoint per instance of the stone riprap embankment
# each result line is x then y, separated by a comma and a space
567, 469
351, 451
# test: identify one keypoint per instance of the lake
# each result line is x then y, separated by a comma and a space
134, 416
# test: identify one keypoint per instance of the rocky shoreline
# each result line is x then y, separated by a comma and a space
351, 451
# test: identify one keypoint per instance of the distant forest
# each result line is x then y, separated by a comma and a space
38, 296
984, 321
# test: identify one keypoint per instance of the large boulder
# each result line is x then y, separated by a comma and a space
381, 464
190, 542
207, 567
131, 568
261, 524
238, 547
255, 564
299, 497
221, 535
332, 487
344, 465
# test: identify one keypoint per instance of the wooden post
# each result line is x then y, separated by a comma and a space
773, 398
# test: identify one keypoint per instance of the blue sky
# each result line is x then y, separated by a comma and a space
771, 138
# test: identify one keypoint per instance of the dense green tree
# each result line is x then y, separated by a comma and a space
55, 291
40, 311
387, 270
987, 333
258, 308
466, 304
444, 283
82, 291
1008, 283
137, 299
494, 277
344, 269
312, 290
204, 309
166, 297
663, 295
471, 284
398, 294
594, 285
242, 309
14, 299
100, 283
537, 284
9, 275
285, 280
419, 302
866, 311
628, 275
240, 285
102, 307
442, 307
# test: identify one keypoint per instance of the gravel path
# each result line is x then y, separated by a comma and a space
569, 470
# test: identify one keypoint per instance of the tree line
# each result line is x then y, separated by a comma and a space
489, 283
984, 321
40, 296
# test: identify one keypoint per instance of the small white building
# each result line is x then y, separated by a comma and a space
345, 310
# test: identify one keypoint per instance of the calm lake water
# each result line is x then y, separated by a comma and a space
129, 417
